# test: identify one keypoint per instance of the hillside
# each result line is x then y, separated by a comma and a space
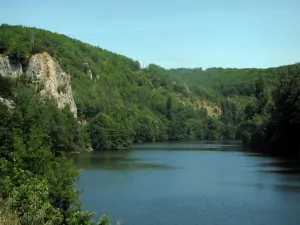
229, 82
149, 104
121, 103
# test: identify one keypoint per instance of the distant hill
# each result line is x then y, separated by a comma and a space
227, 82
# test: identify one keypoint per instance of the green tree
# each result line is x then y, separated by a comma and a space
214, 129
286, 115
106, 134
37, 184
169, 106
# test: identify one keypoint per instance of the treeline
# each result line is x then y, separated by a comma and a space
272, 124
230, 82
37, 175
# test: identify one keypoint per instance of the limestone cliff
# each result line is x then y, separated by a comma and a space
8, 69
10, 104
88, 70
52, 80
211, 109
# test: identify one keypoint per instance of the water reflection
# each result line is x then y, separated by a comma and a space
120, 160
284, 166
195, 145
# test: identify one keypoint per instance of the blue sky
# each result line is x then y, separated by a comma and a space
173, 33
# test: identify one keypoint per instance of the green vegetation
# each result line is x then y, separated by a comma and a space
7, 217
273, 115
216, 82
37, 175
260, 106
124, 104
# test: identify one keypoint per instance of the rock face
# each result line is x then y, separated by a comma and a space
52, 80
211, 109
87, 68
8, 69
10, 104
89, 73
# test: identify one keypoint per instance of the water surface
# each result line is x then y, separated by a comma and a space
189, 184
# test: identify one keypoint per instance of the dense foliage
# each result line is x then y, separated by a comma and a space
124, 103
37, 176
121, 102
216, 82
273, 115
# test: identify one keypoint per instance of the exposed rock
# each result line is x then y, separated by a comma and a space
211, 109
10, 104
89, 149
87, 69
8, 69
52, 80
187, 88
89, 73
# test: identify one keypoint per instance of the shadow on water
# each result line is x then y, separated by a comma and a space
288, 167
117, 160
191, 146
273, 164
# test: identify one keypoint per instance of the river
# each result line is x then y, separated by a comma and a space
192, 183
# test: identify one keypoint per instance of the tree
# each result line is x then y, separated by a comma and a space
287, 110
259, 87
18, 54
5, 131
106, 134
3, 46
6, 87
214, 129
38, 185
169, 106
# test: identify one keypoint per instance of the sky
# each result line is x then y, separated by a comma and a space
173, 33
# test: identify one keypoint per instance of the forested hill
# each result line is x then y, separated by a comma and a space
229, 82
269, 98
124, 103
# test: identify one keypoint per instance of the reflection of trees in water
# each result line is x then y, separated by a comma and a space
192, 145
115, 160
283, 167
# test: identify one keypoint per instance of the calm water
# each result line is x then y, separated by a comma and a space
189, 184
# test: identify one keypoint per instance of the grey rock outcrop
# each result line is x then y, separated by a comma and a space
10, 104
52, 80
89, 73
88, 70
8, 69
